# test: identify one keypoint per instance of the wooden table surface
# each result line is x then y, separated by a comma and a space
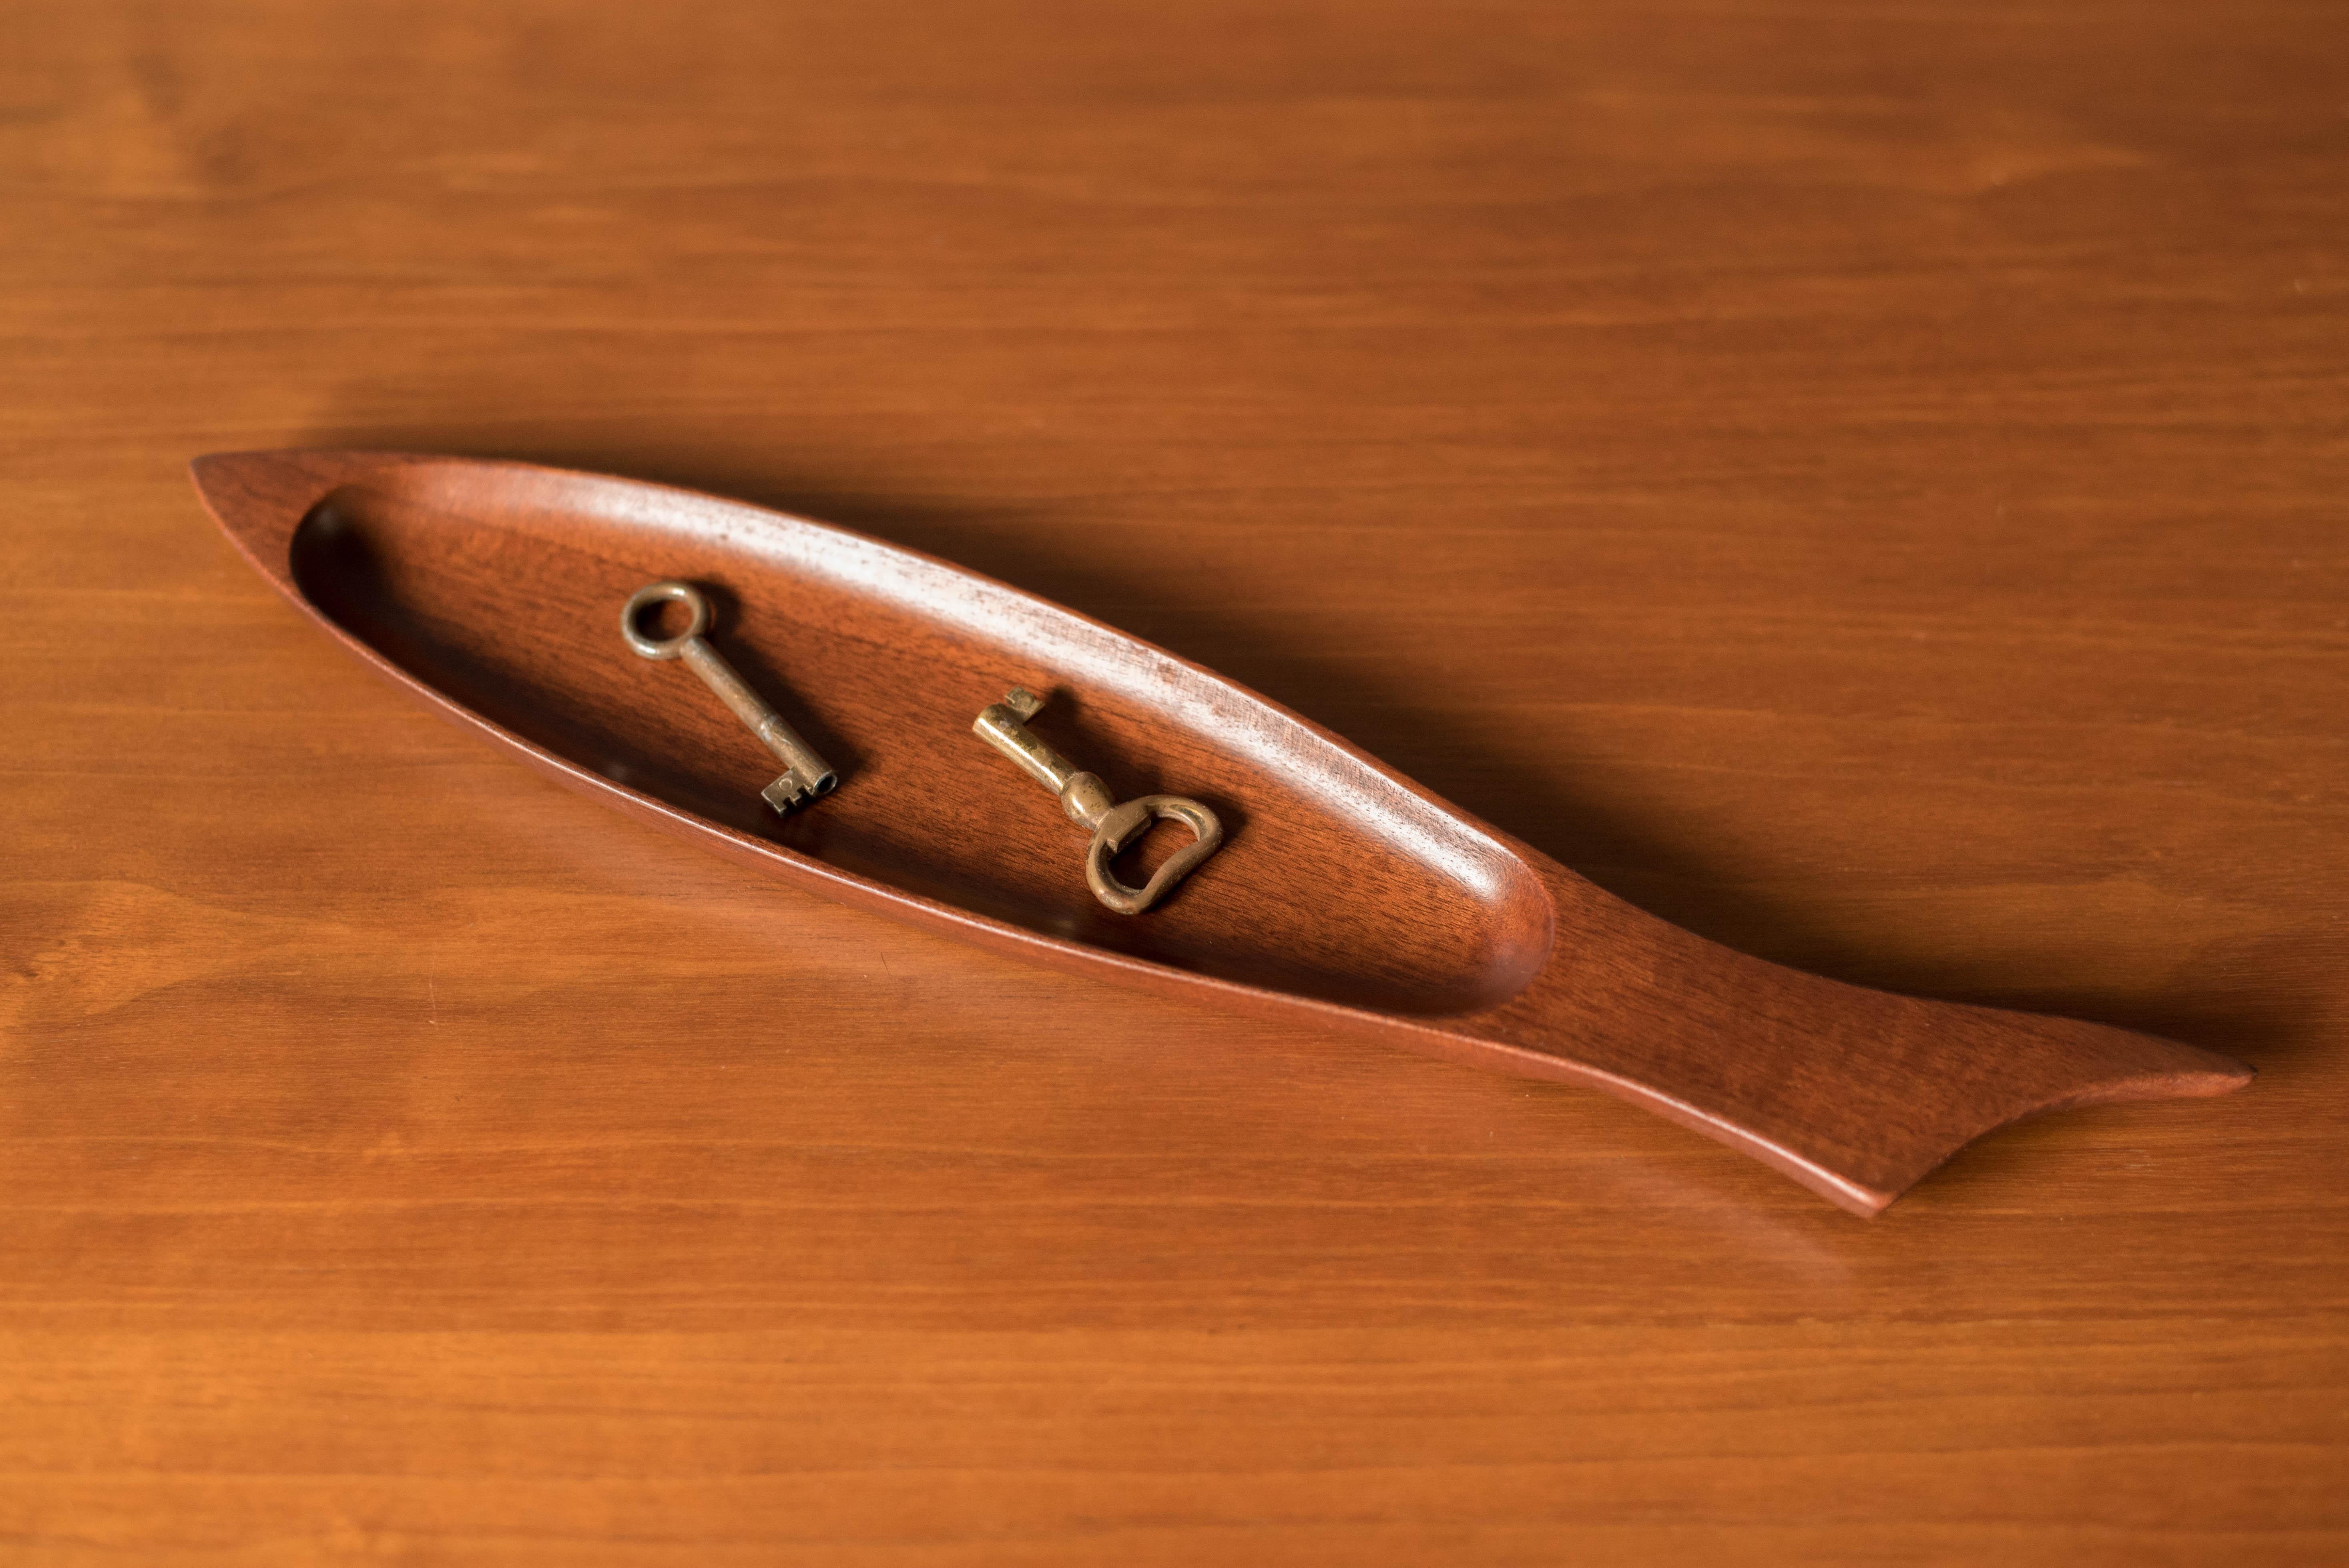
1869, 482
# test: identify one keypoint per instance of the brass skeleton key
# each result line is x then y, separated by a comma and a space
806, 774
1087, 800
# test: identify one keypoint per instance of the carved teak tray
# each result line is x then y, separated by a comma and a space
1346, 897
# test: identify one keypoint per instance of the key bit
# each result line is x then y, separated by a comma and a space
805, 775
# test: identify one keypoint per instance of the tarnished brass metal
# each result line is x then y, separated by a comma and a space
1089, 804
806, 774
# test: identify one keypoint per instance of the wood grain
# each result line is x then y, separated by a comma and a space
1863, 484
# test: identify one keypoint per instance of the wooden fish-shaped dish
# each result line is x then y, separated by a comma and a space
1346, 897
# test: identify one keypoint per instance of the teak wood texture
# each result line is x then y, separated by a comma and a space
1862, 485
1349, 899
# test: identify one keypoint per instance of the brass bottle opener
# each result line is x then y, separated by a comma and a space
806, 774
1088, 802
